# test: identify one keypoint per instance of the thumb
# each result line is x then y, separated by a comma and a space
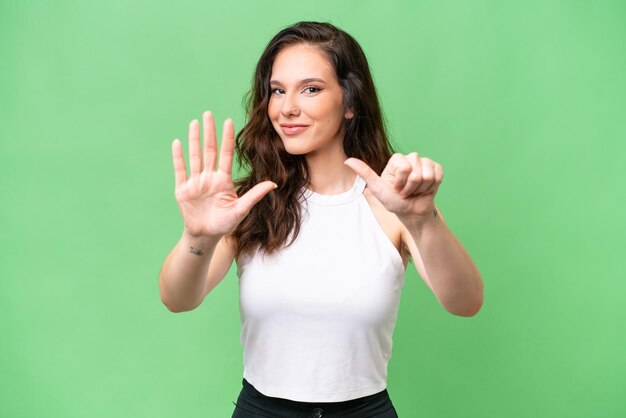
362, 169
253, 196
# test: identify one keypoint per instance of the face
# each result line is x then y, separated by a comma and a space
306, 102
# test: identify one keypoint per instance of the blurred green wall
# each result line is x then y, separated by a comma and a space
523, 103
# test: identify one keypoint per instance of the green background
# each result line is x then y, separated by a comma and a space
523, 104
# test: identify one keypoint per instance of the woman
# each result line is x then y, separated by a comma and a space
321, 228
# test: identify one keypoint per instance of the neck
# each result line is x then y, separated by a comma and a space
328, 174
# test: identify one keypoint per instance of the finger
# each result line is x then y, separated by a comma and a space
401, 169
372, 179
180, 170
195, 160
428, 175
228, 147
210, 141
253, 196
438, 178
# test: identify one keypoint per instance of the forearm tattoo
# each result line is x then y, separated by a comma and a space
196, 251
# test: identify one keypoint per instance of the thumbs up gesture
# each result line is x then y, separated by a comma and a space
407, 186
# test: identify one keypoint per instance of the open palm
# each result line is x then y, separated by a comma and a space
207, 197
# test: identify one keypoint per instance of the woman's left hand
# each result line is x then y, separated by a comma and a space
407, 185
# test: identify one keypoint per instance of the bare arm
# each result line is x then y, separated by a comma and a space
192, 269
211, 210
444, 265
407, 187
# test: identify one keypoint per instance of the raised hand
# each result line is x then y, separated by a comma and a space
407, 185
207, 198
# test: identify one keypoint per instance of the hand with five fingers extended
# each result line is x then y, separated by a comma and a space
207, 198
407, 186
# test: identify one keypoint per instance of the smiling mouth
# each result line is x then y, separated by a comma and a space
293, 129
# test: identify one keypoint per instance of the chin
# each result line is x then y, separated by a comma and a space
295, 147
296, 150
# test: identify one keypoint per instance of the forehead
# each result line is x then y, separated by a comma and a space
301, 61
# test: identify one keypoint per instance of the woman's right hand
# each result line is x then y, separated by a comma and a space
207, 198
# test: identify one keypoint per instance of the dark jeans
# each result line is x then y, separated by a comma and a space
253, 404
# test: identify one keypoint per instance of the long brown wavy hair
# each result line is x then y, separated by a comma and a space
274, 222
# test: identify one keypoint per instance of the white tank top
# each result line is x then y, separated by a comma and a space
318, 316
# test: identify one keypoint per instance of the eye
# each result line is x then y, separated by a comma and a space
277, 91
312, 89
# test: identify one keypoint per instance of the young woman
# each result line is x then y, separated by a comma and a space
321, 228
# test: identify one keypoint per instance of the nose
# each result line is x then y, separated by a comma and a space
289, 106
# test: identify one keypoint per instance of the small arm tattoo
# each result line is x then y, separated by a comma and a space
196, 251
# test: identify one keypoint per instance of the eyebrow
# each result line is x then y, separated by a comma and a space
305, 81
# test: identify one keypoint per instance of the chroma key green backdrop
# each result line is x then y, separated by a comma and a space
523, 104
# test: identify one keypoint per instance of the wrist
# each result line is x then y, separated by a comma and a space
417, 222
201, 242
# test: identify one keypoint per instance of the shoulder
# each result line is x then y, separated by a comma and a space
390, 224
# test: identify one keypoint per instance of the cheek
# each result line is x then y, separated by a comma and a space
328, 112
271, 109
332, 114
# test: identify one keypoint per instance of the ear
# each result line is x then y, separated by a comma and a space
349, 114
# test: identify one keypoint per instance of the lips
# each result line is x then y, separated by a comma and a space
293, 129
